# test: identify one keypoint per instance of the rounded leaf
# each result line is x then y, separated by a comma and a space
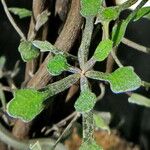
26, 104
57, 65
85, 102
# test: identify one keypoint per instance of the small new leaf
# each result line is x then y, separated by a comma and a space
100, 122
118, 32
45, 46
41, 19
108, 14
124, 79
103, 50
90, 7
85, 102
142, 12
26, 104
139, 100
57, 65
28, 51
21, 12
90, 145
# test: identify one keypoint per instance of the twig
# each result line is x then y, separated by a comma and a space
136, 46
116, 58
12, 21
67, 128
61, 123
102, 87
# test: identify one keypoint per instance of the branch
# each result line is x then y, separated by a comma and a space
12, 21
136, 46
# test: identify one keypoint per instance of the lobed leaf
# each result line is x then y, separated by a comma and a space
90, 145
139, 100
21, 12
103, 49
26, 104
124, 79
90, 7
57, 65
28, 51
85, 102
142, 12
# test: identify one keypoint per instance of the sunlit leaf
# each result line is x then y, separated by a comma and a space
57, 65
46, 46
139, 100
124, 79
108, 14
26, 104
92, 145
100, 122
142, 12
21, 12
28, 51
90, 7
41, 19
85, 102
103, 50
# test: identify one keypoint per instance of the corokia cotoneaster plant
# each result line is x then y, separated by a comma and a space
28, 103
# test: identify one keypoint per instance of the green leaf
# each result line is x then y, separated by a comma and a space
41, 19
26, 104
57, 65
92, 145
103, 50
21, 12
142, 12
85, 102
118, 32
108, 14
124, 79
100, 122
45, 46
35, 146
90, 7
139, 100
28, 51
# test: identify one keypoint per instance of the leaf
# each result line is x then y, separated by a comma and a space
103, 50
57, 65
108, 14
92, 145
124, 79
142, 12
45, 46
90, 7
85, 102
28, 51
100, 122
26, 104
118, 32
21, 12
62, 84
35, 146
41, 19
139, 100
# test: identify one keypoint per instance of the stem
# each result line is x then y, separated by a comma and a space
136, 45
127, 4
88, 126
85, 43
12, 21
105, 30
